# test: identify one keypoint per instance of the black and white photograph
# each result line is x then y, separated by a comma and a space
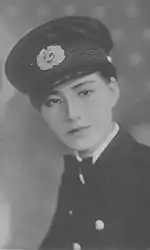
74, 125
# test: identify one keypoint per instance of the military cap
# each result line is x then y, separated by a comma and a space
60, 50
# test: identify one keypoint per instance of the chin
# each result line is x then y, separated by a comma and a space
77, 147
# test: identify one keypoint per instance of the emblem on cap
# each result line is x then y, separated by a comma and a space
50, 57
99, 225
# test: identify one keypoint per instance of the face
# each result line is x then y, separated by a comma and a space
86, 102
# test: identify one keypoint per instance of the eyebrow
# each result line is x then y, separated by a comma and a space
55, 92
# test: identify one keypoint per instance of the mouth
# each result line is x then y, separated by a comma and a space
73, 131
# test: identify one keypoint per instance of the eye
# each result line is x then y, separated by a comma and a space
86, 92
51, 102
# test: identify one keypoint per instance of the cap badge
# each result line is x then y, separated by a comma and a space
50, 57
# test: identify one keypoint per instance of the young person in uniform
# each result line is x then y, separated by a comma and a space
104, 199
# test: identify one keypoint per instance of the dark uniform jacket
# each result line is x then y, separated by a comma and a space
111, 210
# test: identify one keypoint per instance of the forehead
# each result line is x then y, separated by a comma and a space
74, 84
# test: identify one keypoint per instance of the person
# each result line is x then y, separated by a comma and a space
65, 68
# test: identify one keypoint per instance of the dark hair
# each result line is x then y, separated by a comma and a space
105, 69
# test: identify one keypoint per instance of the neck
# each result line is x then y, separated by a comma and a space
88, 152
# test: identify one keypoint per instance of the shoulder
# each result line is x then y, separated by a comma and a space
139, 150
134, 163
130, 155
128, 145
137, 158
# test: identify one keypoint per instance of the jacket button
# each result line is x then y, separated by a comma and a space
70, 212
76, 246
99, 225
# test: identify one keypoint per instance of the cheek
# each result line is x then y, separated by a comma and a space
53, 122
101, 117
99, 108
56, 126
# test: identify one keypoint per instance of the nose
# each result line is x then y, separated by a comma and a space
73, 109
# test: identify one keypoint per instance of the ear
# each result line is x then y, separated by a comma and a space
114, 91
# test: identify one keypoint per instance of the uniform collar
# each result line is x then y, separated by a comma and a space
102, 147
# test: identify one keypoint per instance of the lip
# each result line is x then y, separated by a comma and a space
78, 129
